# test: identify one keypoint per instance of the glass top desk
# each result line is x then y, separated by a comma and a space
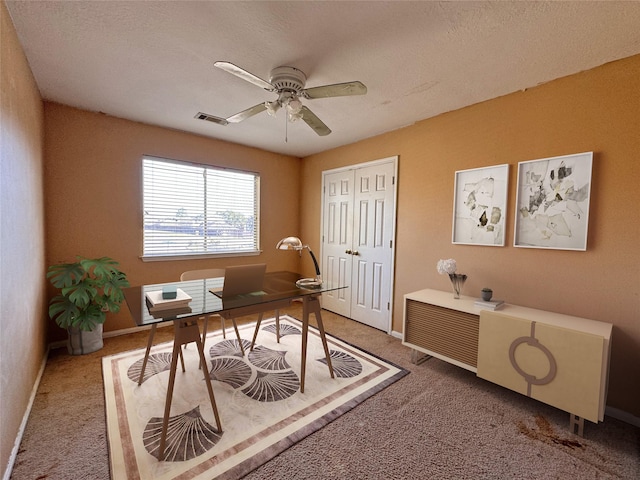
277, 287
279, 290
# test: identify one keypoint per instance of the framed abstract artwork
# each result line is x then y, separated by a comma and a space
479, 206
552, 202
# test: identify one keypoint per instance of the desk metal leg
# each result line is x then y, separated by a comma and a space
185, 331
255, 332
235, 327
311, 304
146, 354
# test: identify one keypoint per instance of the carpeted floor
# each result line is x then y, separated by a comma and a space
440, 422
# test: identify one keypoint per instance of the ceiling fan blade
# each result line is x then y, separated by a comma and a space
314, 122
243, 74
211, 118
249, 112
335, 90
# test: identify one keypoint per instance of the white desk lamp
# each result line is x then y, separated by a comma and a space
294, 243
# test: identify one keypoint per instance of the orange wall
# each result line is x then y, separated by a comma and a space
94, 194
22, 247
597, 110
93, 199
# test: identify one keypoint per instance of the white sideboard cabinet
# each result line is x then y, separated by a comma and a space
558, 359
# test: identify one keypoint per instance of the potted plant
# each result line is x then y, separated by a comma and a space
89, 288
486, 293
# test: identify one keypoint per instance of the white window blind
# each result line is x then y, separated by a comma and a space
194, 209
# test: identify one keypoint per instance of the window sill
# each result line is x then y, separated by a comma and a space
171, 258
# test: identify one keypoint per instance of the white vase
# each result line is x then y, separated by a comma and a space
81, 342
457, 281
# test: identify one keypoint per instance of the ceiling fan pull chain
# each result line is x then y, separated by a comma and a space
286, 129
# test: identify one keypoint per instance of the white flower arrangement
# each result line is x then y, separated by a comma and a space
447, 266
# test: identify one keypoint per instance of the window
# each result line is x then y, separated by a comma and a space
192, 210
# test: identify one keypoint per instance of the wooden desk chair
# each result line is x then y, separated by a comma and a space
211, 273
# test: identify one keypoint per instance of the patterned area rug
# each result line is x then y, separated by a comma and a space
258, 397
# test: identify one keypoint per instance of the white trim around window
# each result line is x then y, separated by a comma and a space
195, 211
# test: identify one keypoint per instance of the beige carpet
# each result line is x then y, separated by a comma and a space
258, 397
439, 422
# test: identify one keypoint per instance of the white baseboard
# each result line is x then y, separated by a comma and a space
127, 331
59, 344
396, 334
114, 333
25, 419
623, 416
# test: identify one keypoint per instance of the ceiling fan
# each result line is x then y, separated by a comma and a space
288, 83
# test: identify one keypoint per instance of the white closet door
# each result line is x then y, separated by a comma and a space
372, 245
337, 239
357, 247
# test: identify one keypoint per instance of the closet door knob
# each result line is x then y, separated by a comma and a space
356, 253
348, 252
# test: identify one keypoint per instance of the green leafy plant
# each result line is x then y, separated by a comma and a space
89, 288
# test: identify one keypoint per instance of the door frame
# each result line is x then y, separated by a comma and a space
395, 160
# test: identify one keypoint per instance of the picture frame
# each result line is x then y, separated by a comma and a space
480, 206
552, 202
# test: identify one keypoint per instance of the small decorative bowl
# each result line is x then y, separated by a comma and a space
486, 294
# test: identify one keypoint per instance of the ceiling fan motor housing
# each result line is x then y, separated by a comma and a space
288, 79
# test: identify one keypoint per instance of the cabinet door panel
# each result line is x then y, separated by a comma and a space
558, 366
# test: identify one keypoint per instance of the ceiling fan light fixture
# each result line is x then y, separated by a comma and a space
294, 105
272, 107
293, 117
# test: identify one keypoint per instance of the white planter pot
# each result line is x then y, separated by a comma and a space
81, 342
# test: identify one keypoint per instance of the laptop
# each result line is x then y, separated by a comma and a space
242, 279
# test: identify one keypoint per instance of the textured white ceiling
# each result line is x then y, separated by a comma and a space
152, 61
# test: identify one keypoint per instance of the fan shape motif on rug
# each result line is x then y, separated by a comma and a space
263, 375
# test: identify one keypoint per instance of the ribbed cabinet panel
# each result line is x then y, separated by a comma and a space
450, 333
